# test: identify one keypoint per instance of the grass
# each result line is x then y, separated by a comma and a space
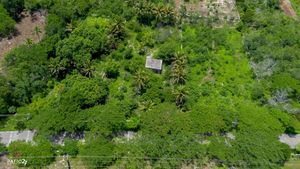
292, 164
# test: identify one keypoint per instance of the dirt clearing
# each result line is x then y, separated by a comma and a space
26, 29
287, 8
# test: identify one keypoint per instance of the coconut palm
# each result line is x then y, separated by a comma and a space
140, 80
29, 42
118, 29
178, 75
145, 106
37, 31
87, 69
181, 95
57, 67
179, 72
180, 58
70, 27
158, 12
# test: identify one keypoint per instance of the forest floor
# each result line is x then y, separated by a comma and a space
24, 31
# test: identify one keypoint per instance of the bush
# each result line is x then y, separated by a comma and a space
27, 73
23, 150
101, 149
70, 147
64, 104
167, 51
2, 149
7, 24
4, 95
54, 25
13, 7
111, 69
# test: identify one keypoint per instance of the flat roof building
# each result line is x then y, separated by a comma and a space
154, 64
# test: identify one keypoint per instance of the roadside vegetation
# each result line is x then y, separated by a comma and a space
7, 24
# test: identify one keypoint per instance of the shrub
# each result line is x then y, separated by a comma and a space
7, 24
23, 150
13, 7
71, 147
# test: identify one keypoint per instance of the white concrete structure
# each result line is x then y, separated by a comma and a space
154, 64
6, 137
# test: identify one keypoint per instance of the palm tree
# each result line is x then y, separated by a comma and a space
37, 31
180, 58
145, 106
178, 75
56, 67
181, 95
179, 69
158, 12
29, 42
87, 69
140, 80
69, 27
118, 29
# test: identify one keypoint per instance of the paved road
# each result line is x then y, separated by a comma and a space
7, 137
291, 140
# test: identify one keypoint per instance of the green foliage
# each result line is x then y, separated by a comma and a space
132, 123
27, 72
274, 50
165, 132
23, 150
88, 41
14, 7
7, 24
100, 149
156, 13
222, 97
33, 5
64, 104
55, 25
4, 95
106, 119
69, 9
111, 69
20, 126
113, 9
140, 81
70, 147
2, 148
258, 150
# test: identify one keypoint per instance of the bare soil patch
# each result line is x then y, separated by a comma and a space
5, 164
287, 8
224, 10
25, 30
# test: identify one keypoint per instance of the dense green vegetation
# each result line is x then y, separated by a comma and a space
7, 24
224, 96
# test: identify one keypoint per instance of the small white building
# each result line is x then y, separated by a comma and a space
154, 64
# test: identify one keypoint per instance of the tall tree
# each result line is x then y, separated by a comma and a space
181, 95
140, 81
